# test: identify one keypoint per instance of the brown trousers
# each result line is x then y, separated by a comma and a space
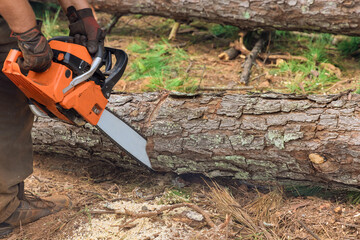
16, 119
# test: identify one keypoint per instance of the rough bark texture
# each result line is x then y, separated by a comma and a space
268, 137
333, 16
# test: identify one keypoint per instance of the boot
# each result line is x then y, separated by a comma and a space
31, 209
21, 191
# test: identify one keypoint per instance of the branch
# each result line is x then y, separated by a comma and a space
244, 78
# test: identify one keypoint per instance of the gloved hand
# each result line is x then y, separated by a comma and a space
84, 28
36, 51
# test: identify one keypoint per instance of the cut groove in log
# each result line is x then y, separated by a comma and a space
258, 138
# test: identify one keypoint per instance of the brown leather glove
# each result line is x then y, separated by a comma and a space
36, 51
85, 29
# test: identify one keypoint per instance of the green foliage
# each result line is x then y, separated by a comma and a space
321, 192
354, 197
348, 47
51, 27
306, 191
41, 8
297, 44
162, 65
317, 51
310, 76
224, 31
174, 196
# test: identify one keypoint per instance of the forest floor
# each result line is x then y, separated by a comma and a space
330, 64
110, 203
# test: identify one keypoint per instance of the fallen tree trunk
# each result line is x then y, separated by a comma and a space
338, 17
266, 137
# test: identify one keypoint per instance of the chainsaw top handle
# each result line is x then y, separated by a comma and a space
104, 57
113, 72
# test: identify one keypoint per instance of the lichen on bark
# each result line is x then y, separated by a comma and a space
201, 135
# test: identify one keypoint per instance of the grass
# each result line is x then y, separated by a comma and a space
349, 46
161, 65
350, 197
224, 31
310, 77
174, 196
306, 78
354, 198
51, 26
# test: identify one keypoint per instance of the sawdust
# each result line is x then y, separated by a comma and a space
108, 226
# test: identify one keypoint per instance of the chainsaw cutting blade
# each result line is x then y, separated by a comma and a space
124, 136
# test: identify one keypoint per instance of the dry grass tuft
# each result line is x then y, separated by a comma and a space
265, 205
226, 203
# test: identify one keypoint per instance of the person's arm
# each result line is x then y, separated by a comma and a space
83, 26
35, 49
18, 14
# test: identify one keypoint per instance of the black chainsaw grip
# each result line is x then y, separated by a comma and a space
114, 72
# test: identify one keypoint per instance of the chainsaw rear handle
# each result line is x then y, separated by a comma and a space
113, 72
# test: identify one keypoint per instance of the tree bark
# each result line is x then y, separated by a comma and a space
332, 16
257, 138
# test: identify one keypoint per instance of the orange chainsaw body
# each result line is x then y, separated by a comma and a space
46, 89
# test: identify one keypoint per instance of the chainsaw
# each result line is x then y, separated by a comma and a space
76, 88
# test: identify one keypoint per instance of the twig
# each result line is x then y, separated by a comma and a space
157, 212
340, 82
239, 45
309, 230
120, 199
152, 197
202, 212
259, 76
174, 31
202, 77
37, 178
226, 222
229, 54
267, 48
115, 18
189, 67
279, 56
244, 78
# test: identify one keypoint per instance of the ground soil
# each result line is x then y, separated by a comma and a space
96, 188
107, 202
